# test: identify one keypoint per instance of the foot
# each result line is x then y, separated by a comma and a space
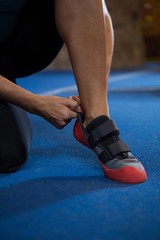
102, 136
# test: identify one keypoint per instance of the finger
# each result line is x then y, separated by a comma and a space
71, 97
75, 98
71, 115
73, 105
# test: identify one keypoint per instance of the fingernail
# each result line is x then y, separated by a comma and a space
79, 109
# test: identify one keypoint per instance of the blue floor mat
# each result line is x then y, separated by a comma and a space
61, 192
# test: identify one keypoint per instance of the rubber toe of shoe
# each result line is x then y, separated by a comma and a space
126, 174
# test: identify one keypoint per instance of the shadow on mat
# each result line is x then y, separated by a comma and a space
36, 193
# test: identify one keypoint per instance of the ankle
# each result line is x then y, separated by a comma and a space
92, 113
88, 119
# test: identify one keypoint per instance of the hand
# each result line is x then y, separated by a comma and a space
77, 99
57, 110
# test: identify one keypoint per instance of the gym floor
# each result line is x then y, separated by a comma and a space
61, 192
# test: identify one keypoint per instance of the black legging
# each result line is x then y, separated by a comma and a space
15, 137
31, 47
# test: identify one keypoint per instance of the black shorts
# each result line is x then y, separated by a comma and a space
33, 44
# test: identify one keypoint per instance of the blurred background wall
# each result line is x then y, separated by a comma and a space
136, 26
151, 28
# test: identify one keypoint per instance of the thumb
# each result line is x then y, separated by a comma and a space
73, 105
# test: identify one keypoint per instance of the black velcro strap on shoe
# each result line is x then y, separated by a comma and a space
101, 131
118, 147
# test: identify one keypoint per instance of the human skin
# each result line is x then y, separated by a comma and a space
85, 27
56, 110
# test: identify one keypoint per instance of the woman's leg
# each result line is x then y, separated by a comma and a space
15, 130
86, 28
35, 44
15, 137
36, 41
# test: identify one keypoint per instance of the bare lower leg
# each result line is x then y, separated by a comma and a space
86, 28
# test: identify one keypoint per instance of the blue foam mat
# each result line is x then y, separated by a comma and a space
61, 192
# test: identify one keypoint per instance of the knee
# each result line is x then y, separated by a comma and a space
15, 138
12, 159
